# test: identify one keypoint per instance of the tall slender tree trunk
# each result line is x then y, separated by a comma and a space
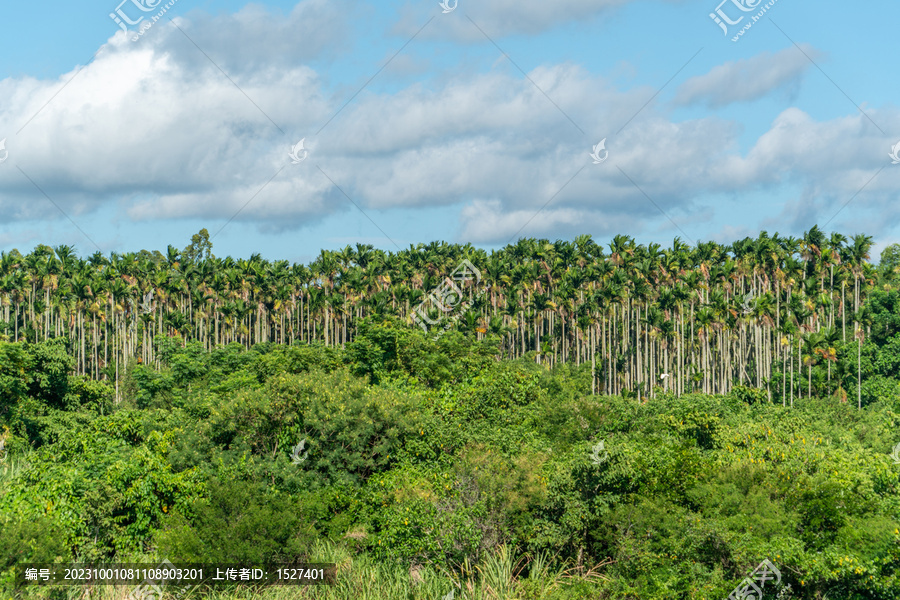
859, 374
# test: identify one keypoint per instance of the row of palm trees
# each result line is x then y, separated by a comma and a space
757, 312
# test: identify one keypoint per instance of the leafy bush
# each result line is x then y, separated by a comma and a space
301, 358
822, 514
749, 395
26, 539
237, 522
385, 349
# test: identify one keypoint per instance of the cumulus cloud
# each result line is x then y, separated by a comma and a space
142, 120
252, 41
152, 131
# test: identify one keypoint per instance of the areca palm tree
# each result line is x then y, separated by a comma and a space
711, 315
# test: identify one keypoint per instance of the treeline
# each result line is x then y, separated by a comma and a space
766, 312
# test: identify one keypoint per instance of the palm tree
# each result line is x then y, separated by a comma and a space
711, 315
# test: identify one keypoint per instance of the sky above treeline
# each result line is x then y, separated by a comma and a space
476, 122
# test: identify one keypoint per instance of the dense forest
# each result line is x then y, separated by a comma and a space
759, 312
561, 422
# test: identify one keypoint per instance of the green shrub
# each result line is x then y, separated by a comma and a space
29, 539
822, 514
237, 522
352, 430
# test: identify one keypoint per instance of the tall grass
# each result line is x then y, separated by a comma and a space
11, 466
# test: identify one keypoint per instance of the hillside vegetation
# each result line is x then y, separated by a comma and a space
530, 450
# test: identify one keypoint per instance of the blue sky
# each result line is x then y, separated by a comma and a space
478, 130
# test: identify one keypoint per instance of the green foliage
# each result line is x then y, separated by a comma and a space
882, 310
91, 395
48, 372
880, 389
36, 376
385, 349
889, 265
189, 364
147, 387
149, 486
14, 369
887, 359
199, 249
236, 522
749, 395
353, 430
822, 514
299, 359
461, 464
25, 539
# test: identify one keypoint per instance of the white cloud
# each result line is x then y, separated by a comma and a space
154, 131
498, 18
253, 41
748, 79
491, 221
137, 121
